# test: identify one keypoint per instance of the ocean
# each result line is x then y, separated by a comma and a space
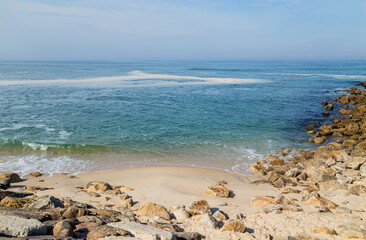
74, 117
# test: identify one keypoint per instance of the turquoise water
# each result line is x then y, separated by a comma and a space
91, 116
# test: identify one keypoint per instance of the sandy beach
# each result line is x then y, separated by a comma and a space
173, 187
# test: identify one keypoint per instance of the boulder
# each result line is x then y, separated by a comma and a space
63, 229
151, 210
13, 177
95, 186
92, 231
20, 227
11, 202
188, 236
24, 213
47, 202
349, 143
73, 212
319, 140
234, 226
328, 107
361, 145
206, 221
199, 208
143, 231
356, 162
4, 183
331, 185
217, 191
181, 214
357, 189
126, 203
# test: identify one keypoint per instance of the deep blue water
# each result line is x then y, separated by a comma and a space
88, 116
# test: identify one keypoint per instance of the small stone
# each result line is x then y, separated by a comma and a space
220, 216
63, 229
221, 183
199, 208
324, 230
13, 177
310, 127
151, 210
124, 189
35, 174
319, 201
206, 221
234, 225
261, 201
349, 143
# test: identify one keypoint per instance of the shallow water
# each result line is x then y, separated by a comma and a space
91, 116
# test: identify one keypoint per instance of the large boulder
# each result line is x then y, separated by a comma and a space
47, 202
63, 229
152, 210
13, 177
20, 227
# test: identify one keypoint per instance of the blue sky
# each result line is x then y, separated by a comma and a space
182, 29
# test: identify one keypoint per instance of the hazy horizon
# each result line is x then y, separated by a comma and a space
162, 30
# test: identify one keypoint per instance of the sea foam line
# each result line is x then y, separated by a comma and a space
339, 76
138, 75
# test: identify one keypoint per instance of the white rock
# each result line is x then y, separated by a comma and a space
206, 221
181, 214
21, 227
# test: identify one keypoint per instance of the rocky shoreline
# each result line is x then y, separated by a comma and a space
309, 194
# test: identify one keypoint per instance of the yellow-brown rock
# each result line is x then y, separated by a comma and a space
217, 191
95, 186
261, 201
127, 203
325, 230
11, 202
199, 208
13, 177
319, 201
234, 226
152, 210
35, 174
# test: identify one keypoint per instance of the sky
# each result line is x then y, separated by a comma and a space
129, 30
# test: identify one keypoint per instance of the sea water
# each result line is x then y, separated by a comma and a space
91, 116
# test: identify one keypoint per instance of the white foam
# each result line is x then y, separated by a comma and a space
27, 164
14, 127
138, 75
319, 74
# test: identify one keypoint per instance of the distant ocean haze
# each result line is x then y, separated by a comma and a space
92, 116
